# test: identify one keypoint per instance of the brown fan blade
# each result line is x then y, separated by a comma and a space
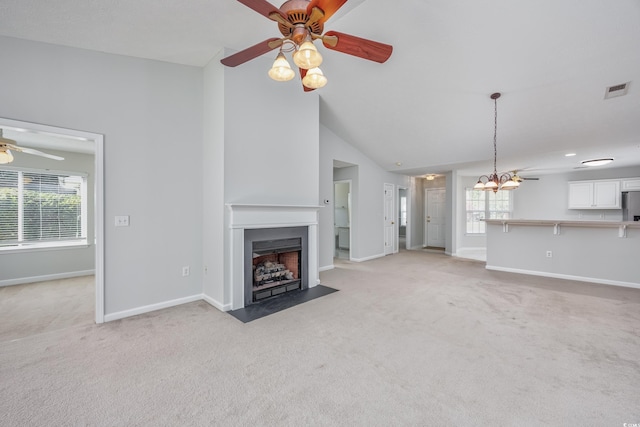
251, 52
356, 46
263, 8
303, 73
329, 7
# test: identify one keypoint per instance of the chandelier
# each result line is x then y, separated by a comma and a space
307, 59
494, 182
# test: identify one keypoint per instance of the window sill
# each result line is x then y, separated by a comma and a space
39, 247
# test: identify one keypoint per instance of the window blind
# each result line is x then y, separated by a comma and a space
40, 207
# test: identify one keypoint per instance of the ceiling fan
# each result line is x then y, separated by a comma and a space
7, 157
517, 178
301, 22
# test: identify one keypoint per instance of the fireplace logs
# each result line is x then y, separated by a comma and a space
269, 272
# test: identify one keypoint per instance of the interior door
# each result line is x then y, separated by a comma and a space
389, 220
435, 217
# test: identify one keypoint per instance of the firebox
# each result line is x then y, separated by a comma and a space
275, 262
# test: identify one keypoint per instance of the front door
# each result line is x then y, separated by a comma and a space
435, 217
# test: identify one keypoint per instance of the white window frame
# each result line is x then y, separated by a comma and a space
29, 246
487, 212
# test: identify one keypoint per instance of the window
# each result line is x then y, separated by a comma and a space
42, 209
485, 204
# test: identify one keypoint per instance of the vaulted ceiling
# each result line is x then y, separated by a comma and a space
427, 109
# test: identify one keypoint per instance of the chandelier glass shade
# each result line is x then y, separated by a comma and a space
495, 182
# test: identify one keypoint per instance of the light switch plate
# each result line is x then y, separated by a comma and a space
122, 220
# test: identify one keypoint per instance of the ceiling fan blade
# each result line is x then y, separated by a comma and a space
251, 52
35, 152
329, 7
263, 8
303, 73
356, 46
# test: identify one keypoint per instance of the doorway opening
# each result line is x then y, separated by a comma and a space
404, 207
342, 218
44, 137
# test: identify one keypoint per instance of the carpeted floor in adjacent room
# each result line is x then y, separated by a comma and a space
415, 339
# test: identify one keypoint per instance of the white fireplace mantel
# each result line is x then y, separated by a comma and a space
252, 216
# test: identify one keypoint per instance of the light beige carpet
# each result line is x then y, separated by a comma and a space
34, 308
411, 339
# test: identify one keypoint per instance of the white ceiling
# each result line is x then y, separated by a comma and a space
428, 107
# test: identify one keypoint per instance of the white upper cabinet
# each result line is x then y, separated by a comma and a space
630, 184
601, 194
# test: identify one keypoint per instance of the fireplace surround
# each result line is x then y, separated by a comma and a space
270, 220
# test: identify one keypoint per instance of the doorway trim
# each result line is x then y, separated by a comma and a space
98, 159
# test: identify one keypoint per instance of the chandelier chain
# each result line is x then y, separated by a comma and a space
495, 136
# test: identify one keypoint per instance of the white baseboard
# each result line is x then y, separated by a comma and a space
565, 276
369, 258
152, 307
217, 304
327, 267
58, 276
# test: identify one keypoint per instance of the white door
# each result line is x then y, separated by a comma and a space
435, 217
389, 220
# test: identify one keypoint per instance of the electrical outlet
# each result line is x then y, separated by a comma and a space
122, 220
186, 271
549, 254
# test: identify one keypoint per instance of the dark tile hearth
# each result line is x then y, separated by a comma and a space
279, 303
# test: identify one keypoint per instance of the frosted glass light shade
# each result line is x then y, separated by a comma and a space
479, 185
6, 157
281, 70
314, 79
510, 185
490, 185
307, 56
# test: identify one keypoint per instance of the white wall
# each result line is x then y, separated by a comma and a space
151, 115
367, 198
580, 253
31, 266
271, 138
213, 170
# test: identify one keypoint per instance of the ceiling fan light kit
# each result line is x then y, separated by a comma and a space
281, 70
314, 79
301, 22
5, 156
495, 182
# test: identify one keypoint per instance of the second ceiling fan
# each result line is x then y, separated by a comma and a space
301, 22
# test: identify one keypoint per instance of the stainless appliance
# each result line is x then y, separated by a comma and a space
631, 205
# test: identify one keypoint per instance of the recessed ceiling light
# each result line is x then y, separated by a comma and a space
597, 162
570, 154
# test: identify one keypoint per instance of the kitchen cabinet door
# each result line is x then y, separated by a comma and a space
606, 195
581, 195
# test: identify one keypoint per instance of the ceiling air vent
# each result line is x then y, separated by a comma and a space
616, 90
